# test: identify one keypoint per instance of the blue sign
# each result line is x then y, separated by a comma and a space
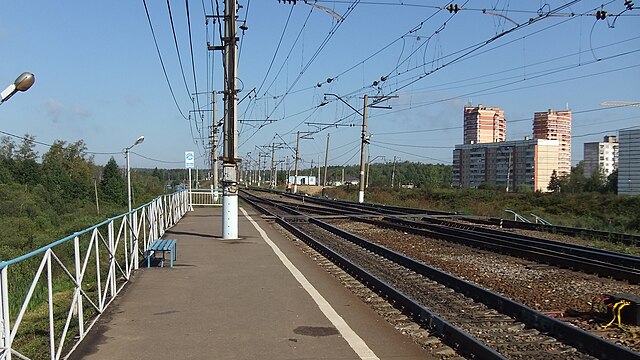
189, 160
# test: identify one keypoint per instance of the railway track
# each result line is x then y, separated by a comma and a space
580, 258
626, 239
476, 322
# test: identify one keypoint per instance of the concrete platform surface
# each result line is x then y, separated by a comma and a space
240, 299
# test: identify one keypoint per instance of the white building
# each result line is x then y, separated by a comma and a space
304, 180
601, 156
629, 161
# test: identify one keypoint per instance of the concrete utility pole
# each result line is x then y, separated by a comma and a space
326, 162
365, 138
393, 173
368, 168
273, 165
214, 150
230, 160
295, 176
509, 171
363, 149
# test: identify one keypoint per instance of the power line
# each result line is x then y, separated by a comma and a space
162, 161
164, 70
326, 40
175, 41
416, 155
275, 53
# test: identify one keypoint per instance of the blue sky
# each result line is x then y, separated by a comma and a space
99, 78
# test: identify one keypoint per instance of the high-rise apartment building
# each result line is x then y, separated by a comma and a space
555, 125
484, 124
601, 156
629, 162
509, 163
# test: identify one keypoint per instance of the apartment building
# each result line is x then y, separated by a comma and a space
555, 125
629, 161
528, 162
484, 124
601, 156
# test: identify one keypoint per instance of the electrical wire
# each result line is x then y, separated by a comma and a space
33, 140
164, 70
175, 41
275, 53
326, 40
163, 161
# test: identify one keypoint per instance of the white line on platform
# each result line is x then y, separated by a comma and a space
357, 344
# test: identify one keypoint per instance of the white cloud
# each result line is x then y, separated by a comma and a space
54, 109
132, 100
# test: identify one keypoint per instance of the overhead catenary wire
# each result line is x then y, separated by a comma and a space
528, 79
164, 70
175, 41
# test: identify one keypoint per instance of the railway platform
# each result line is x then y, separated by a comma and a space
257, 297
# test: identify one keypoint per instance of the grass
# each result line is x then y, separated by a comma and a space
583, 210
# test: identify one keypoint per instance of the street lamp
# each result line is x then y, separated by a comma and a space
126, 154
22, 83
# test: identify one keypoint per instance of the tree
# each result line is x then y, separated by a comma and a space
7, 147
113, 187
27, 170
596, 182
612, 182
554, 182
26, 149
67, 171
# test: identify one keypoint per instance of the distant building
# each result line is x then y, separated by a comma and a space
484, 124
601, 156
629, 162
555, 125
304, 180
527, 162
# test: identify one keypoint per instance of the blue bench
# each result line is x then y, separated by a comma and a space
161, 245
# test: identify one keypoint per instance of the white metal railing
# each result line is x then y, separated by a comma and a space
61, 289
517, 216
205, 197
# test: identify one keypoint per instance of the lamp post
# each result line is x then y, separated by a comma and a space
126, 154
22, 83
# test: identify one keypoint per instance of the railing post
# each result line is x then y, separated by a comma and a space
136, 236
52, 345
112, 258
5, 340
78, 294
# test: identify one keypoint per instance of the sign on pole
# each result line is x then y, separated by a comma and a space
189, 160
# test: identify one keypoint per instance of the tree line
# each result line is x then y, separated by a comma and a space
43, 198
576, 181
381, 174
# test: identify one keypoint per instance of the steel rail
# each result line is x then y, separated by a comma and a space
627, 239
511, 246
562, 331
450, 333
566, 333
580, 258
626, 260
